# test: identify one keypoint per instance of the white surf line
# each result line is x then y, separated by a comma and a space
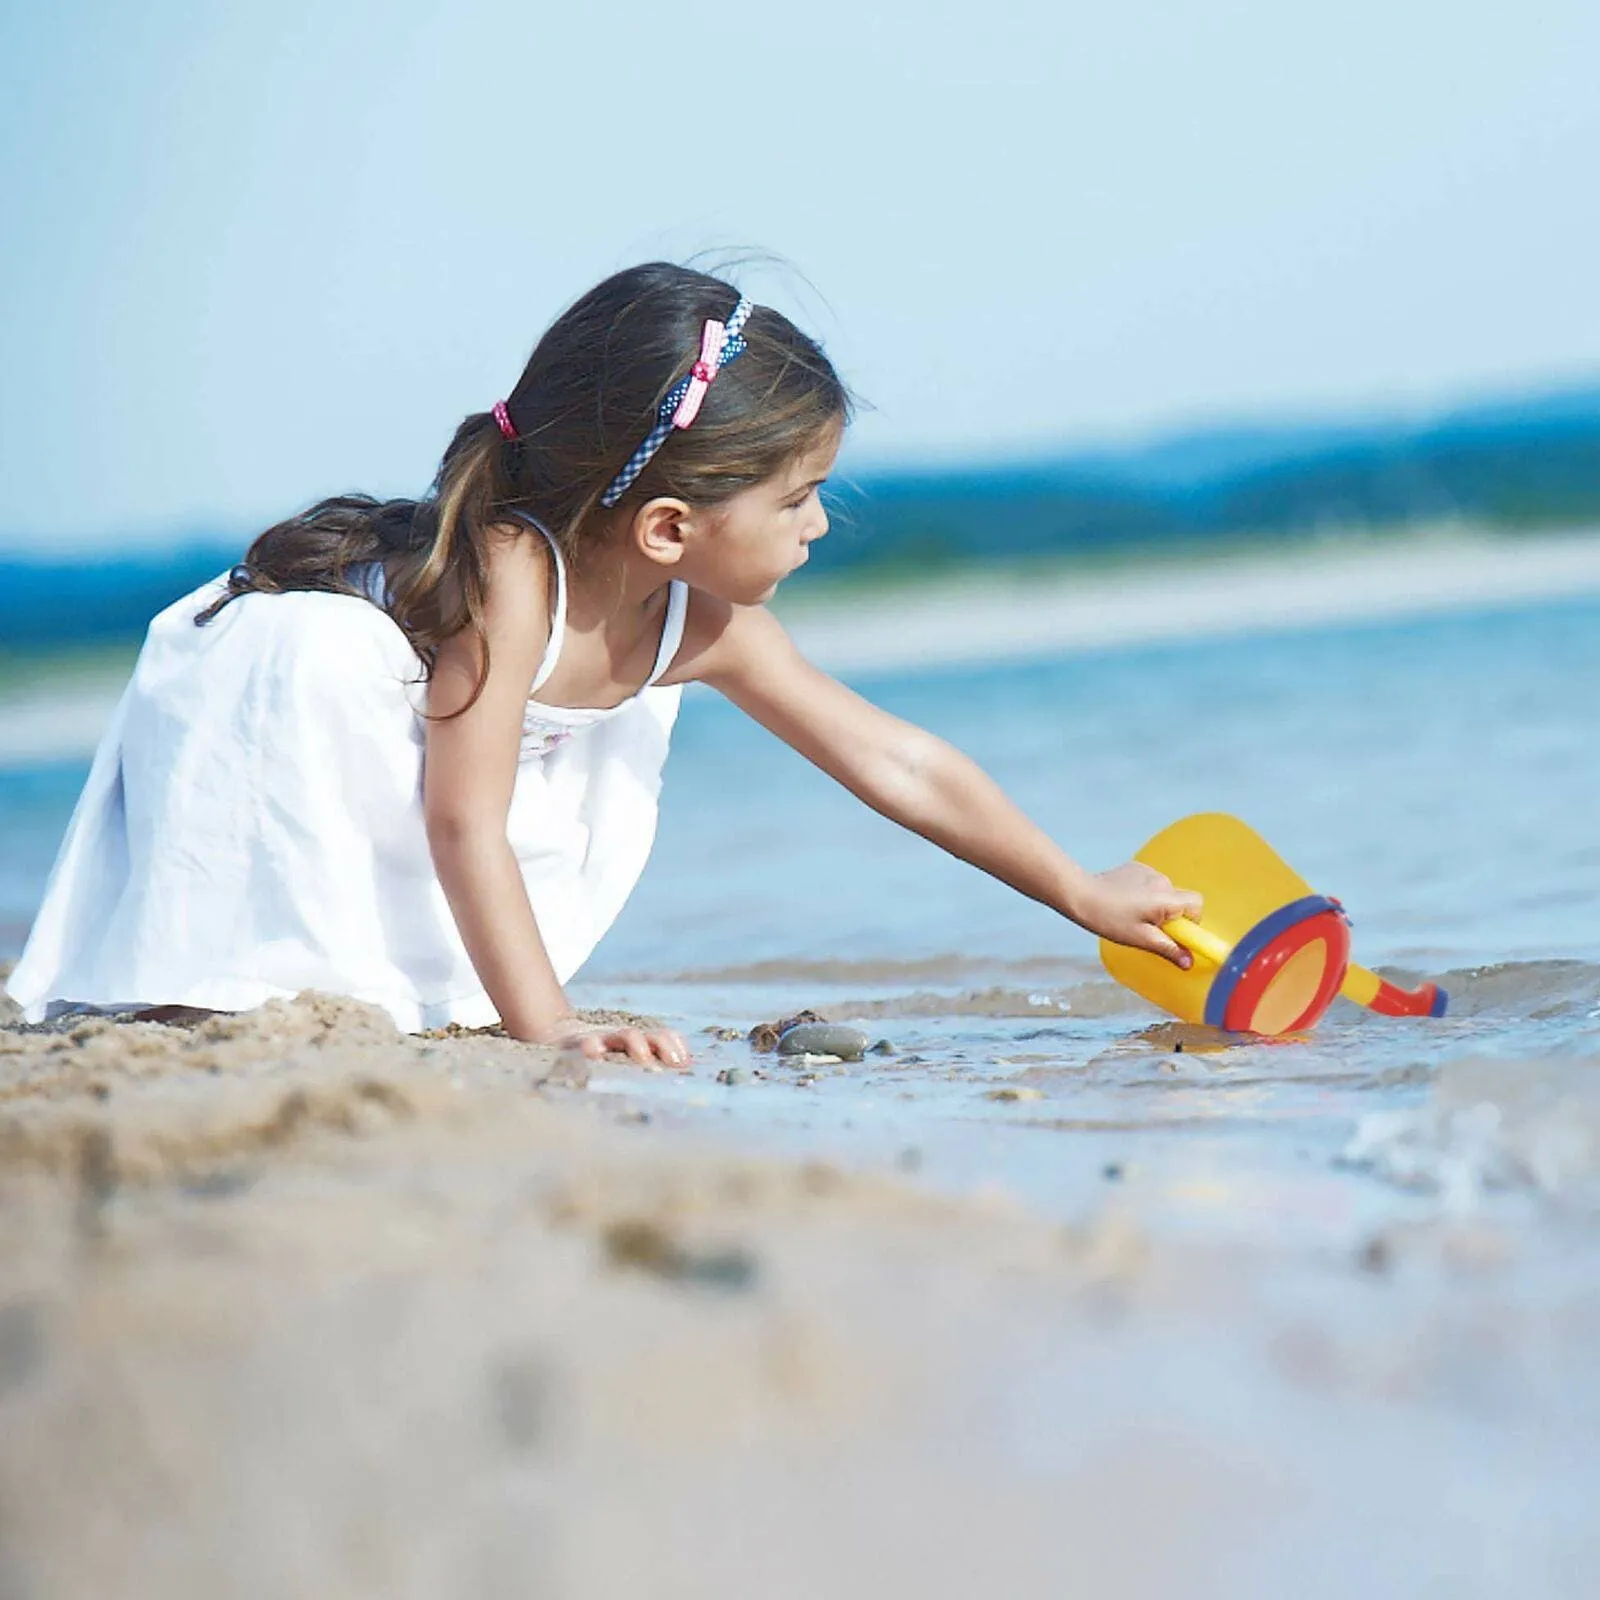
1003, 618
56, 723
1007, 617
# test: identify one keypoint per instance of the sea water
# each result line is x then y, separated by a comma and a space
1440, 777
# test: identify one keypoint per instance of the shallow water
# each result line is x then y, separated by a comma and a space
1437, 776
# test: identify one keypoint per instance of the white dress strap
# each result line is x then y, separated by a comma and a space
671, 629
558, 616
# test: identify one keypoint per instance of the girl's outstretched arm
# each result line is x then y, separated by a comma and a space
918, 780
468, 776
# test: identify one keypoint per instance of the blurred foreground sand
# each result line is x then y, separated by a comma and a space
291, 1305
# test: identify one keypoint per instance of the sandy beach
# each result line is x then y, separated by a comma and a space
1050, 1296
292, 1305
1015, 614
1008, 616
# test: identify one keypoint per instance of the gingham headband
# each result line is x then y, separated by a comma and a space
720, 343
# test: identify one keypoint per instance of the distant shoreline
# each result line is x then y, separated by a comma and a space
1011, 612
1007, 614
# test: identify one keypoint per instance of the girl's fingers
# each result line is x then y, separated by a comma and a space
638, 1044
671, 1047
1162, 945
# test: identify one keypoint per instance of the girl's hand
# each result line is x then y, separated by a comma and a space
1128, 904
598, 1039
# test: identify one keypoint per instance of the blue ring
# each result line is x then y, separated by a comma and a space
1246, 951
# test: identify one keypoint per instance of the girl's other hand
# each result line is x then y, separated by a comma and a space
1128, 905
645, 1046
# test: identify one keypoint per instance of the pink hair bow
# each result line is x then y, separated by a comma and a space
712, 338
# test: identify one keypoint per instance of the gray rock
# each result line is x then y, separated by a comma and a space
884, 1047
823, 1039
734, 1075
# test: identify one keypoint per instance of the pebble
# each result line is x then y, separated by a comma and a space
1014, 1093
732, 1075
765, 1035
823, 1039
884, 1047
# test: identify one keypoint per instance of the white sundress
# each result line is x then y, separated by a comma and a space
252, 824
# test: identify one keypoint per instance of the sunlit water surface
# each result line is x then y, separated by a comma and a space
1439, 777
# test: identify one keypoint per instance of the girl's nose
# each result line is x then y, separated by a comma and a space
821, 525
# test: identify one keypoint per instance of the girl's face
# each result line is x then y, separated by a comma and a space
756, 539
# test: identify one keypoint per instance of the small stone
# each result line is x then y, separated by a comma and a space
883, 1047
1014, 1092
765, 1035
1112, 1172
1376, 1255
1178, 1048
733, 1075
645, 1245
823, 1039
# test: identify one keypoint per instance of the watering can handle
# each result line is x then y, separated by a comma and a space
1364, 987
1198, 941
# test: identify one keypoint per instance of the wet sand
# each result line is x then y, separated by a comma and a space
291, 1305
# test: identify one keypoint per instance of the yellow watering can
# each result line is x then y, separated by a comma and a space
1272, 954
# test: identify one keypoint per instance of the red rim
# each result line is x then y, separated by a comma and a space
1328, 926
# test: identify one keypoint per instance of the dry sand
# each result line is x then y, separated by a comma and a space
292, 1306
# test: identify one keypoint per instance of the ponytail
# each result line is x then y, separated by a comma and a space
433, 550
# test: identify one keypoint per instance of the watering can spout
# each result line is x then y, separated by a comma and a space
1272, 954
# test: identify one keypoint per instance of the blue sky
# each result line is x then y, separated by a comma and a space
254, 253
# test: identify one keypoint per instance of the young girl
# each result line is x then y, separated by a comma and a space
410, 751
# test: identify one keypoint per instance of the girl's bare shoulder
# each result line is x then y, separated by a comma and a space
723, 641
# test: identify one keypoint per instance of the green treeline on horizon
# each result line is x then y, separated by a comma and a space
1518, 465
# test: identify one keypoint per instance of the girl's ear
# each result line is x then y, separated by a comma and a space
658, 530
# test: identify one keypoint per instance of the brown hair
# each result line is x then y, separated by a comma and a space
585, 400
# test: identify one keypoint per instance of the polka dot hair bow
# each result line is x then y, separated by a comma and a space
720, 343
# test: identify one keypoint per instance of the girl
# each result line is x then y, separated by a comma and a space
285, 801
